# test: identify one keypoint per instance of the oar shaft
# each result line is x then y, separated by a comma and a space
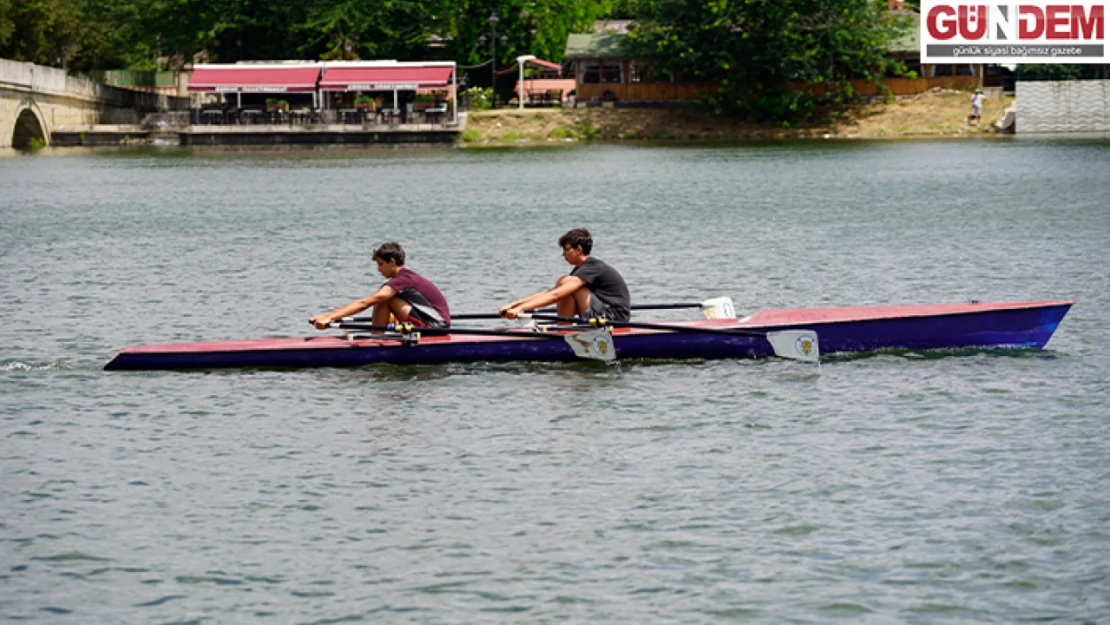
651, 326
468, 316
668, 306
462, 317
405, 329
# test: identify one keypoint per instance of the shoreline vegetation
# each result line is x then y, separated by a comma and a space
933, 114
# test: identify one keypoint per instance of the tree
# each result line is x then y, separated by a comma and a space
537, 27
228, 31
365, 29
155, 34
763, 52
47, 32
125, 34
7, 26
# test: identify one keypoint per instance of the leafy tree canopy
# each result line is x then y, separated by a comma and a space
155, 34
48, 32
755, 49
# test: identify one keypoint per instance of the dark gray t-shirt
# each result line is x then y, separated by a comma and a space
606, 285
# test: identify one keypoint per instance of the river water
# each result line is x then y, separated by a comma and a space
901, 487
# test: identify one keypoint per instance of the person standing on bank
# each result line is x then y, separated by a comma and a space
593, 288
406, 295
976, 106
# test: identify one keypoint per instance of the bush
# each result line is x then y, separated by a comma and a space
480, 99
588, 132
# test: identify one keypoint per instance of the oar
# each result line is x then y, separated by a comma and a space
592, 343
792, 344
681, 305
708, 306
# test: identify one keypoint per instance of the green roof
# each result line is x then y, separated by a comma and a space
910, 41
594, 46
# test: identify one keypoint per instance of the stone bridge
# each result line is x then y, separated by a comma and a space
36, 101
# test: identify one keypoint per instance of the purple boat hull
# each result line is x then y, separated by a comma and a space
1019, 325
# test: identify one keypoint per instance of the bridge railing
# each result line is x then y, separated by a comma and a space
53, 81
32, 77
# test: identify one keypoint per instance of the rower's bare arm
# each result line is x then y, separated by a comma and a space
383, 294
566, 287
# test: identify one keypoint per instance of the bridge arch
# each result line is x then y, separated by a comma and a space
29, 129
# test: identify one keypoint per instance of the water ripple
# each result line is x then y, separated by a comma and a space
891, 487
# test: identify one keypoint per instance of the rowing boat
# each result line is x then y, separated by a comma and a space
1004, 325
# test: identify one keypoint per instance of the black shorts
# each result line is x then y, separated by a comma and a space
422, 319
599, 309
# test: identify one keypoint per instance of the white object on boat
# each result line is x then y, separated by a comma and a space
718, 308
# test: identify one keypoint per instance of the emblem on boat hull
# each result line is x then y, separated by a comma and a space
595, 344
805, 344
601, 346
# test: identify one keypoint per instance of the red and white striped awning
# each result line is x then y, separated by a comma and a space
254, 78
386, 78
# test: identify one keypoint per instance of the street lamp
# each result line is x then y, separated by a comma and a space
493, 35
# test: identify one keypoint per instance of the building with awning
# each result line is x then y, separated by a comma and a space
324, 82
391, 76
240, 78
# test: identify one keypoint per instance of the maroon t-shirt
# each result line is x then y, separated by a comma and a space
428, 304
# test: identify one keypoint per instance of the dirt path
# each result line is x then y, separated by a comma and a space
932, 114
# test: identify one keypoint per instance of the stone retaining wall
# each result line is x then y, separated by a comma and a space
1063, 106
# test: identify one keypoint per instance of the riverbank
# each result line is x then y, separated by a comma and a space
938, 113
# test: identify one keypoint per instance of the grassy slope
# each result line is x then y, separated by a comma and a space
932, 114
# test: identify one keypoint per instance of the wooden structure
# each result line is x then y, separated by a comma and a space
605, 73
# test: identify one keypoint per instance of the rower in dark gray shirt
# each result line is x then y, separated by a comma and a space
593, 288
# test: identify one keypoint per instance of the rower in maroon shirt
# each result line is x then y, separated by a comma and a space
406, 295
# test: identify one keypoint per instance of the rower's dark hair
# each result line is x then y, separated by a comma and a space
579, 237
391, 251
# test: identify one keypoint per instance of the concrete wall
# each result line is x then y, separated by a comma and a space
1063, 106
56, 100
